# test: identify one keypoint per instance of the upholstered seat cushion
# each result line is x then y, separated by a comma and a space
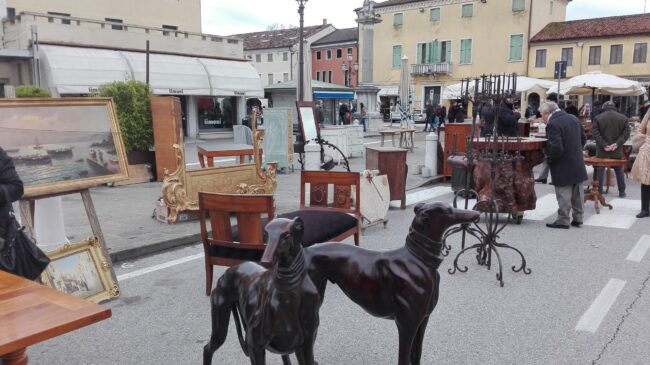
322, 225
239, 254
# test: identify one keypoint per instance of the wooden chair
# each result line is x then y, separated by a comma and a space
229, 245
326, 220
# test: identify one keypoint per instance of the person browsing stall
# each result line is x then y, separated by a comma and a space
565, 159
610, 130
11, 189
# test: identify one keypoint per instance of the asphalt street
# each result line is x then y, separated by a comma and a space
586, 301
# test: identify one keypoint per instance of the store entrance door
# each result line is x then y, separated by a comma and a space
431, 95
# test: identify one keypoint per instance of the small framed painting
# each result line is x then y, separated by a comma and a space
80, 269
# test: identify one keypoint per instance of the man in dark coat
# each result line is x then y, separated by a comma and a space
11, 189
610, 130
487, 120
571, 109
508, 119
453, 109
428, 110
564, 157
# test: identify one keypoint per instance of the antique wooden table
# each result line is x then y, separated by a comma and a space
388, 132
390, 161
31, 313
594, 194
406, 139
236, 150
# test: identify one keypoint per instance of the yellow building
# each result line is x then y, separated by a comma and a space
613, 45
447, 40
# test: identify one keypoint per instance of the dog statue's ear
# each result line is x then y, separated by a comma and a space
417, 207
297, 230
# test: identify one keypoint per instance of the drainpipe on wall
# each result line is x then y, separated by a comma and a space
36, 74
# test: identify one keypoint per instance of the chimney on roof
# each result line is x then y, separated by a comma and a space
324, 21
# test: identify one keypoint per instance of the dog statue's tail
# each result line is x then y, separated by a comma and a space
238, 327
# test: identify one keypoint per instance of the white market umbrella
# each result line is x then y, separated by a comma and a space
524, 84
604, 84
404, 84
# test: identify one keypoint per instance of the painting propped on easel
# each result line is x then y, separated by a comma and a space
62, 145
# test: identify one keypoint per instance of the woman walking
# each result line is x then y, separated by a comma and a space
641, 167
362, 116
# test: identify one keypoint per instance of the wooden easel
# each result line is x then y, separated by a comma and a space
27, 219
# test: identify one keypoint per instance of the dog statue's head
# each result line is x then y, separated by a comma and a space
284, 240
433, 219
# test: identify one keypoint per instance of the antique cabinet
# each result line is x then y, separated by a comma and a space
348, 138
455, 142
355, 140
167, 121
390, 161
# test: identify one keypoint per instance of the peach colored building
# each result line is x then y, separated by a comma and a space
335, 58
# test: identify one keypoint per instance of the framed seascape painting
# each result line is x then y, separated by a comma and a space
81, 270
62, 145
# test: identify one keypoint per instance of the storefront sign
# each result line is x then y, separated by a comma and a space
93, 89
240, 93
176, 91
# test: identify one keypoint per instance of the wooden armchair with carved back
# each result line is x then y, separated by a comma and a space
233, 241
325, 219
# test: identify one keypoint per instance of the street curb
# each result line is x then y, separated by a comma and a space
156, 247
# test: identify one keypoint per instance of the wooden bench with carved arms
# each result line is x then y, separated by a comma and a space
180, 190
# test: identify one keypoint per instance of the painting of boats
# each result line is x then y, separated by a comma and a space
62, 145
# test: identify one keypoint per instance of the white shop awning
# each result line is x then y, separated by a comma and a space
231, 78
169, 74
75, 70
388, 90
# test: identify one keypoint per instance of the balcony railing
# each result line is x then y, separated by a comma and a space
431, 69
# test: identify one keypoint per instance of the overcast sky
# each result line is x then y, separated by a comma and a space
223, 17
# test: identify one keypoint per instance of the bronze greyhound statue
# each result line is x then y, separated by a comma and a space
400, 284
278, 307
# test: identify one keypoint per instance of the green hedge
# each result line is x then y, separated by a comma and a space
30, 91
133, 103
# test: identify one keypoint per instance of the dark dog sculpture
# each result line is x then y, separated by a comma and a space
278, 307
400, 284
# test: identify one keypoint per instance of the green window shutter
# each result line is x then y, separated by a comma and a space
397, 56
418, 56
516, 46
436, 52
466, 51
518, 5
434, 15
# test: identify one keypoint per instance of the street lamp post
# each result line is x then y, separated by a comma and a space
349, 69
301, 71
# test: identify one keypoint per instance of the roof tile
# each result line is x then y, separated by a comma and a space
277, 38
615, 26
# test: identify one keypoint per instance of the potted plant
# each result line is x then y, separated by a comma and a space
133, 107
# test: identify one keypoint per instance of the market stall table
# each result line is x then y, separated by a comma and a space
594, 195
230, 150
388, 132
31, 313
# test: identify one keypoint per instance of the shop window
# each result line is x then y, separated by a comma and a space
115, 26
567, 55
640, 53
540, 58
51, 20
616, 54
594, 55
216, 112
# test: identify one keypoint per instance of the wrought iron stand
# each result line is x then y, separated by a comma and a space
487, 89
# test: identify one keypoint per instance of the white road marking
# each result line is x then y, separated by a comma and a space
639, 250
591, 319
147, 270
423, 195
544, 208
623, 215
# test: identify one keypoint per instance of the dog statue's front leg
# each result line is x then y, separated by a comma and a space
416, 349
258, 355
305, 354
406, 335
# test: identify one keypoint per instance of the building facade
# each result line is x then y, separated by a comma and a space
448, 40
75, 47
335, 58
613, 45
275, 53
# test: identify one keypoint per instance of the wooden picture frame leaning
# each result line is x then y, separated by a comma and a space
62, 145
80, 269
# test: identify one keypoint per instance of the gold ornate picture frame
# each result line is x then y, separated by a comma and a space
62, 145
80, 269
